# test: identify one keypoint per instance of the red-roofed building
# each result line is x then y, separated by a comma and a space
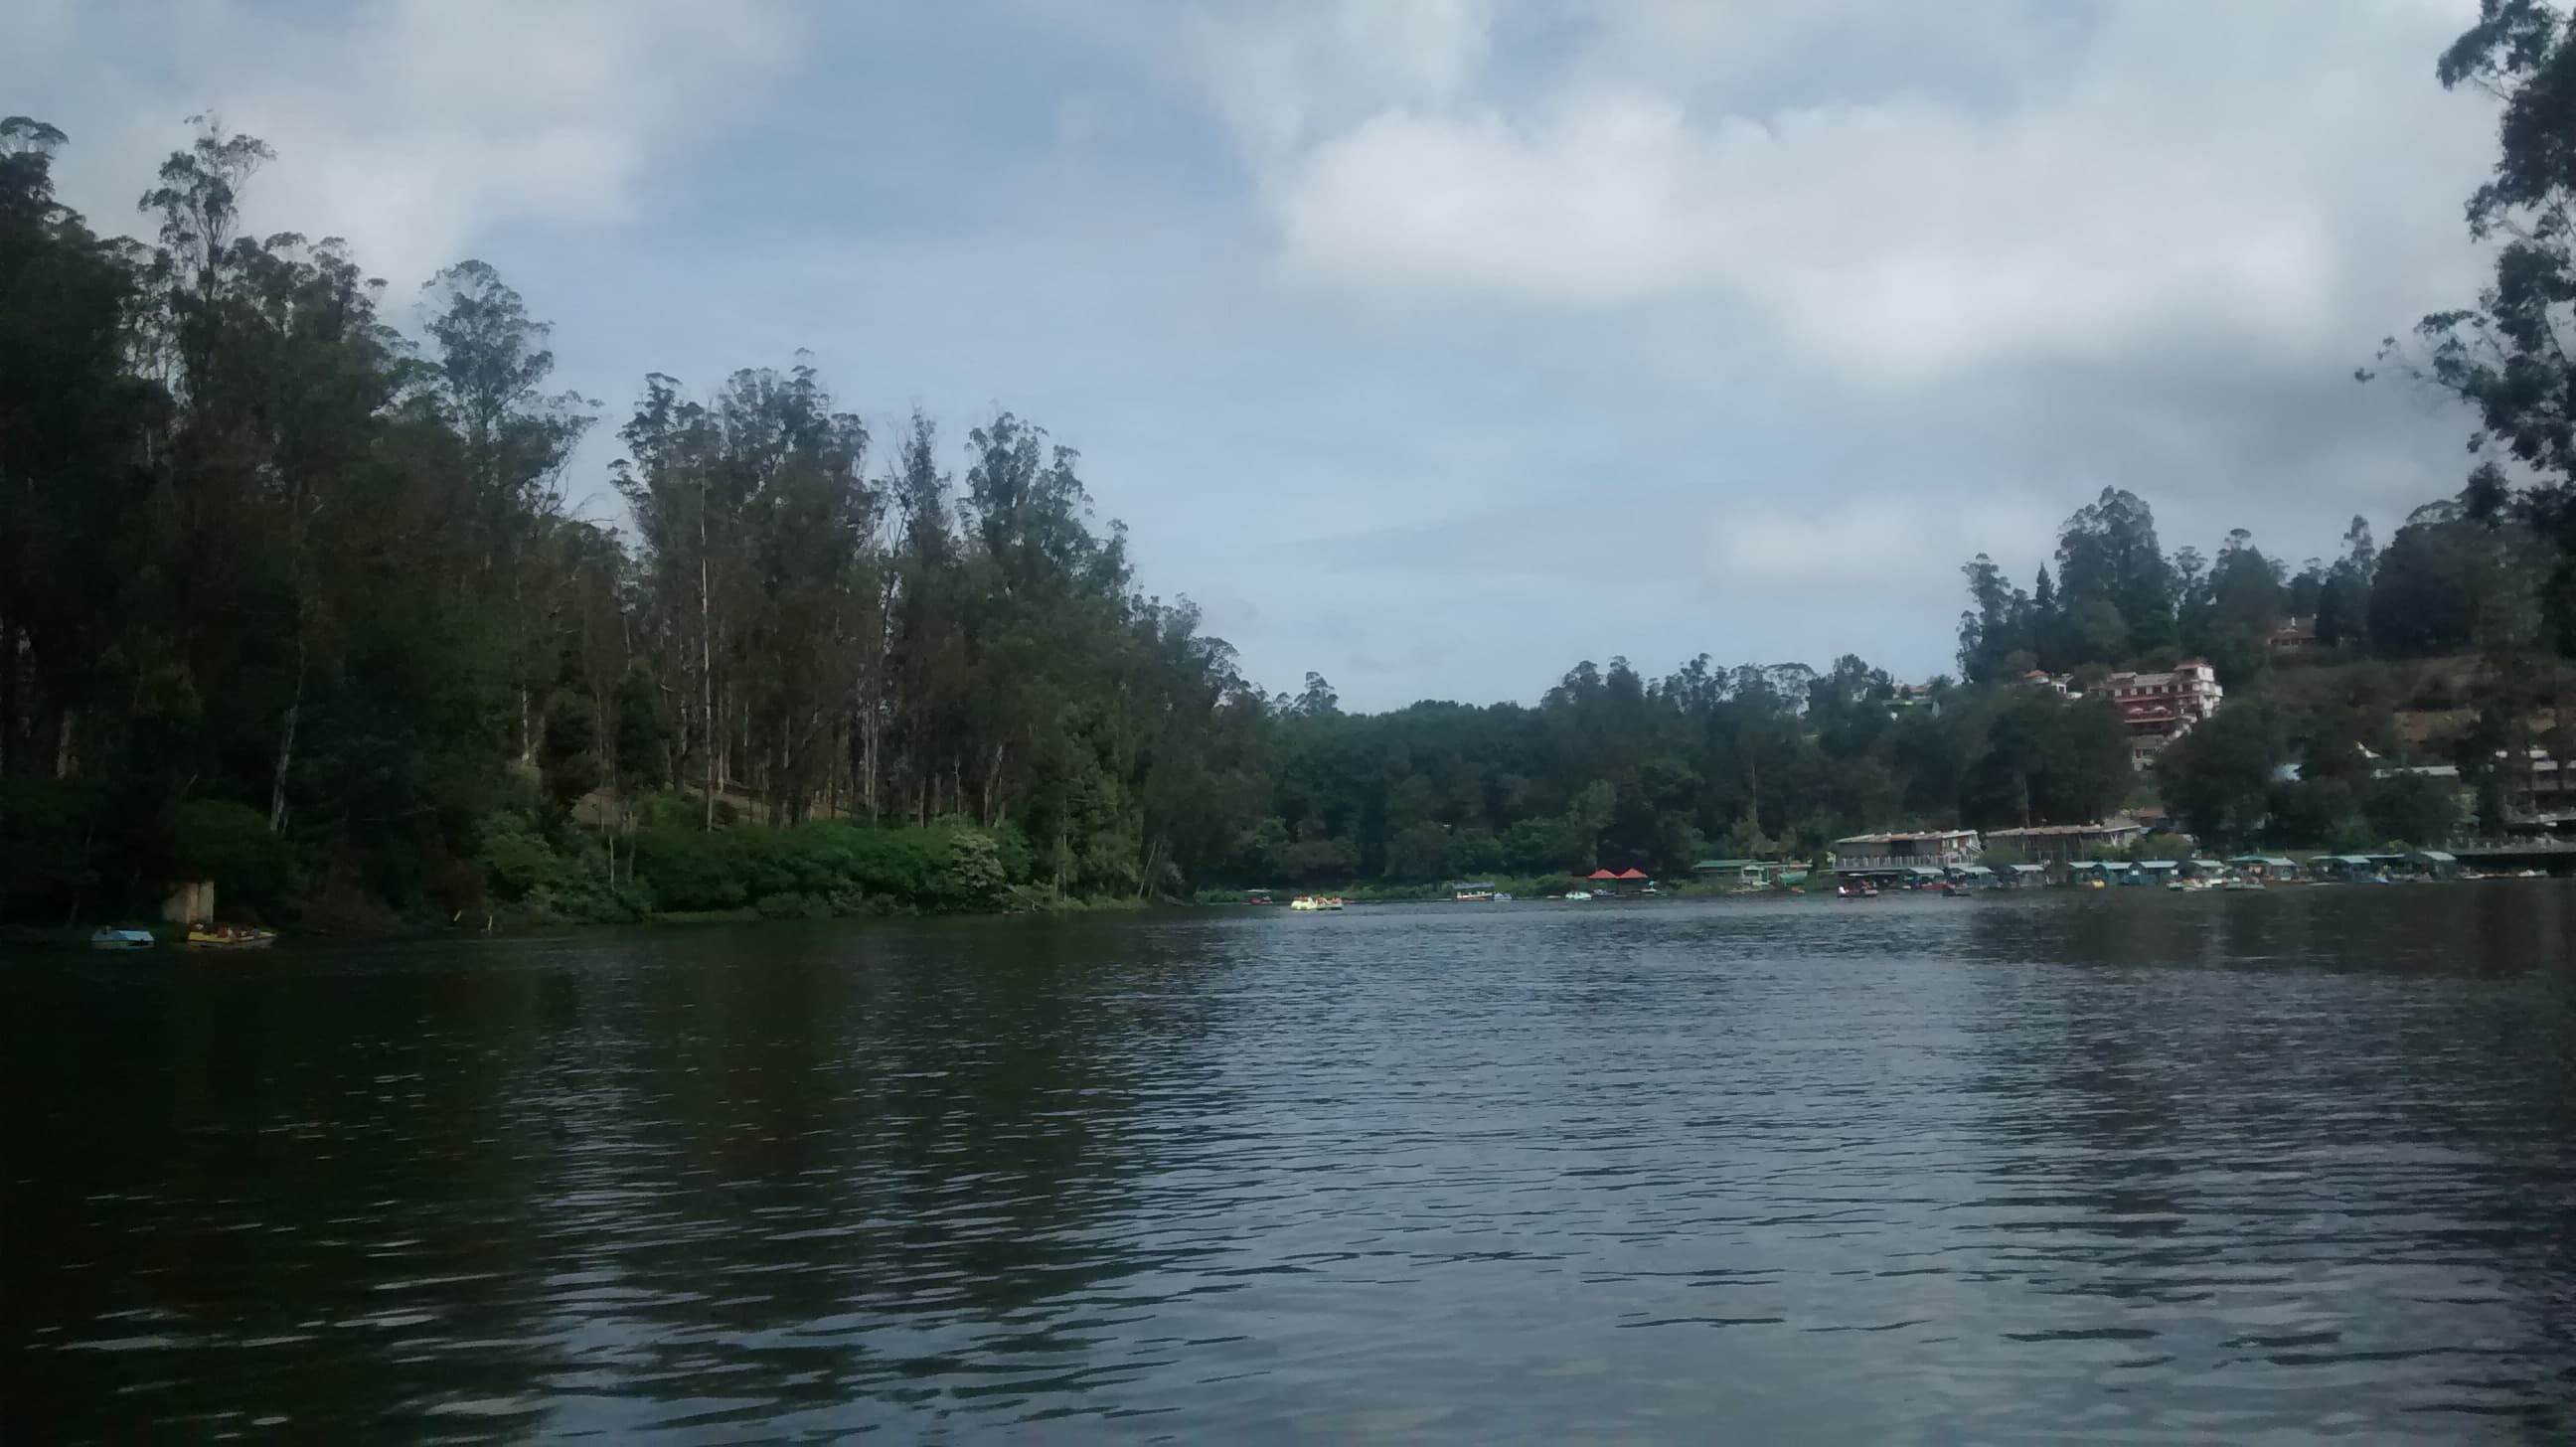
2158, 708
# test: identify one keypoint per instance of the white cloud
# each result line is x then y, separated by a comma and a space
2246, 173
1283, 73
1897, 550
409, 127
1925, 278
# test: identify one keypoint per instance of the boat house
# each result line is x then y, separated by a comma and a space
2066, 843
2346, 867
1933, 851
2268, 867
1743, 873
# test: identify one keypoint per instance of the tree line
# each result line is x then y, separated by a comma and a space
2485, 579
292, 596
2452, 580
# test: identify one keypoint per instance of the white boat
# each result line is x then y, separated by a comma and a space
1316, 902
1578, 894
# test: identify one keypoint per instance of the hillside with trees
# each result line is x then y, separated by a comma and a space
292, 597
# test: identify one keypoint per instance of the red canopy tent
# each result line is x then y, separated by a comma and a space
1630, 874
1601, 874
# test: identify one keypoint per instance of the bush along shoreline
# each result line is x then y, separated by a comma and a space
667, 868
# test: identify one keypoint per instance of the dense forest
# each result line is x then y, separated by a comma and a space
293, 597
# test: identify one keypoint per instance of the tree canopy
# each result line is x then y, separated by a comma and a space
301, 599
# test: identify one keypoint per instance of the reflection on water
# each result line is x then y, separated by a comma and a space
2142, 1167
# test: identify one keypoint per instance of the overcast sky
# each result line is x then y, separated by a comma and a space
1430, 344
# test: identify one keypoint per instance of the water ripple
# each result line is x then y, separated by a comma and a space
2274, 1167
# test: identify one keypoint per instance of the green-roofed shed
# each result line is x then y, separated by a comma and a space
1735, 871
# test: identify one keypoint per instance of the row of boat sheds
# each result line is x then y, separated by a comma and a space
2255, 869
2088, 854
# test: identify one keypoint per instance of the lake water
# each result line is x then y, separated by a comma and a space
2123, 1166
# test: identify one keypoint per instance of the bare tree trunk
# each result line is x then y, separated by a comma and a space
8, 695
706, 667
1152, 861
286, 742
868, 732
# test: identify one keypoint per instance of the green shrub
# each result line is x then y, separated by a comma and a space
230, 844
693, 870
51, 845
794, 906
824, 868
974, 876
515, 858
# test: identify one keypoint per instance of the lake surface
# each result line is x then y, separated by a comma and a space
2122, 1166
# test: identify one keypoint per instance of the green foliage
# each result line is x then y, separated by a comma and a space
292, 600
2162, 846
2505, 355
825, 867
261, 547
52, 863
2412, 809
515, 858
2218, 778
231, 845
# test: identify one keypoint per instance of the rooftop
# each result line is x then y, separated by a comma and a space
2067, 831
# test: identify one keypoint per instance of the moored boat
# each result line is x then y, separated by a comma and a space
108, 938
1316, 902
229, 937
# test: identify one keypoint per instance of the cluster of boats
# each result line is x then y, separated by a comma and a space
1864, 889
198, 937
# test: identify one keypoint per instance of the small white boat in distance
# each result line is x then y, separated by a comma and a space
1578, 894
1316, 901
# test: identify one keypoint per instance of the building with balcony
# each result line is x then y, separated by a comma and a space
2066, 843
1936, 849
2158, 708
